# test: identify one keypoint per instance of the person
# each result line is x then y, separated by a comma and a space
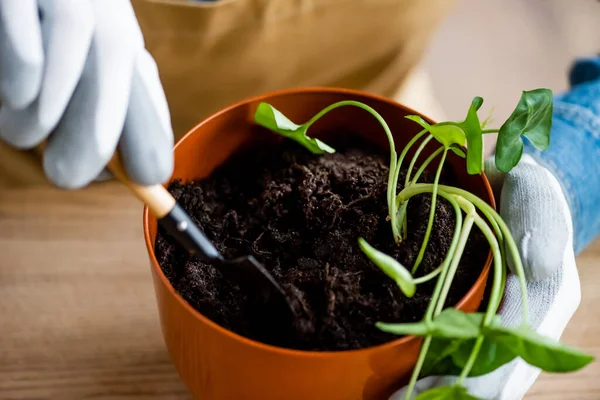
85, 78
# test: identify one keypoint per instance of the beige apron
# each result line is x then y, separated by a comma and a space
213, 54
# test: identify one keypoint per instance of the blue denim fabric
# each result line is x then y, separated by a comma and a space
574, 152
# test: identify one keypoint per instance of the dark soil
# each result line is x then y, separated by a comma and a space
301, 215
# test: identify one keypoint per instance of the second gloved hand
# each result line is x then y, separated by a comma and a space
549, 202
533, 206
76, 73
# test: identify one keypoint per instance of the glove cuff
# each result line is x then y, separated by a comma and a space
574, 153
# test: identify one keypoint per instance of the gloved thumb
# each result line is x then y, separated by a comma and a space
532, 204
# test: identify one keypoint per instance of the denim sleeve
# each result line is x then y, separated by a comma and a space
574, 152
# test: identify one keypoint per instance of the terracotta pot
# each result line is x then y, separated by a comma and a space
217, 364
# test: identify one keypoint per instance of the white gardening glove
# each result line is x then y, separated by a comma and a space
535, 209
75, 72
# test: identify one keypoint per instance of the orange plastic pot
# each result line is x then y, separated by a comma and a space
217, 364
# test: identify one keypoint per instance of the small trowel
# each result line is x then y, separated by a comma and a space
252, 277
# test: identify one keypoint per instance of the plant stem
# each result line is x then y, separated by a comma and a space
504, 275
419, 188
414, 159
495, 226
490, 131
392, 205
445, 278
429, 276
426, 164
471, 360
431, 213
391, 188
462, 241
454, 245
436, 293
403, 155
495, 295
501, 244
497, 286
420, 361
402, 214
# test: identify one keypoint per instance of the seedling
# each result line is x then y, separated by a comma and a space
457, 343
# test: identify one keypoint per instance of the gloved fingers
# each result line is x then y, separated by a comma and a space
87, 135
146, 145
67, 27
21, 54
551, 304
496, 177
551, 301
536, 212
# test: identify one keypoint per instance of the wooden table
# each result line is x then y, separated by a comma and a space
77, 311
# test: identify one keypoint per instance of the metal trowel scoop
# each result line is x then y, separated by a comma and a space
258, 284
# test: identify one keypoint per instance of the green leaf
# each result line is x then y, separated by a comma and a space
531, 118
438, 360
501, 345
450, 323
472, 128
445, 133
454, 134
458, 151
390, 267
410, 328
491, 356
456, 324
538, 350
269, 117
448, 355
476, 104
446, 393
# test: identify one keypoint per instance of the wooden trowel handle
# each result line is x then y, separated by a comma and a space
156, 197
163, 206
168, 213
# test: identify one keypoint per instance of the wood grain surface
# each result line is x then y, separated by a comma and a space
78, 318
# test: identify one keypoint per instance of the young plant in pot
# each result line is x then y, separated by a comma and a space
456, 343
374, 252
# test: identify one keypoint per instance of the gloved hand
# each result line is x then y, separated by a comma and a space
550, 206
75, 72
541, 226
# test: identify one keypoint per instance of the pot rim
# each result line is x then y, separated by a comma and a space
282, 350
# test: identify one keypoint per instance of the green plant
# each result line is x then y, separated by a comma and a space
457, 343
